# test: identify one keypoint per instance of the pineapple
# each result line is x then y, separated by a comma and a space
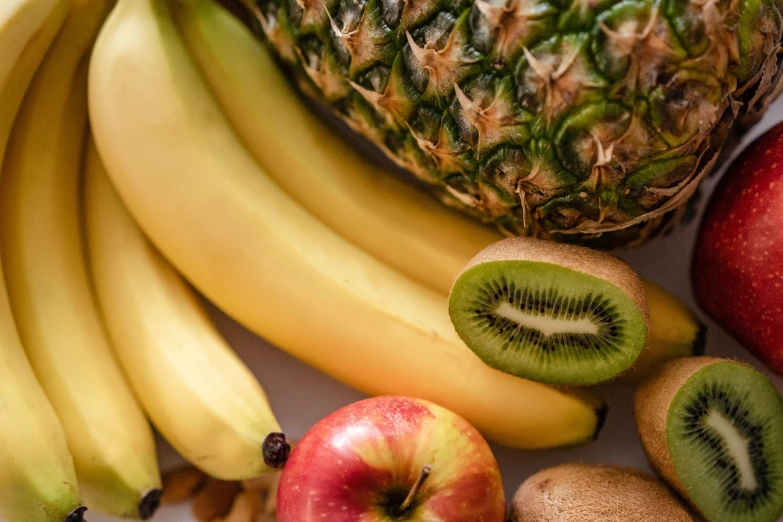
576, 120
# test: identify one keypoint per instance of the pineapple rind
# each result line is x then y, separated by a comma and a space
577, 120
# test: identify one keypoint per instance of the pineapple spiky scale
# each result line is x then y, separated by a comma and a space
578, 120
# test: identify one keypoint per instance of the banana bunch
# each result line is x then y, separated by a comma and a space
48, 286
96, 338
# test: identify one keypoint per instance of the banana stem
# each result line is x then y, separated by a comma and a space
276, 450
77, 515
150, 503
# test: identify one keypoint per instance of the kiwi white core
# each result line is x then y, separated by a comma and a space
546, 325
737, 447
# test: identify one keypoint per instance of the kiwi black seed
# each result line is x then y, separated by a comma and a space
550, 312
595, 493
713, 429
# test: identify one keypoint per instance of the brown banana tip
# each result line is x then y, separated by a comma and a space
149, 503
275, 450
601, 414
700, 344
77, 515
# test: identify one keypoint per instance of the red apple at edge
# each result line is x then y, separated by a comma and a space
737, 265
388, 459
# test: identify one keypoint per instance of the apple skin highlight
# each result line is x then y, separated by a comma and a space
360, 463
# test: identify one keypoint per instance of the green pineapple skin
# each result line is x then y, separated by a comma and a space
588, 121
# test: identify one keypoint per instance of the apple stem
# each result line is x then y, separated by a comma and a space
423, 474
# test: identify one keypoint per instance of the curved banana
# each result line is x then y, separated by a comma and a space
365, 204
43, 261
196, 390
202, 199
27, 28
37, 477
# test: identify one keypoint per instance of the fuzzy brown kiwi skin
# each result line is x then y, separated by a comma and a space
595, 493
577, 258
651, 408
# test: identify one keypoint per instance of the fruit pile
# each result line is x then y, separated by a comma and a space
153, 149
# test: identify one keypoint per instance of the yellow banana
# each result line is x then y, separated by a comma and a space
37, 476
197, 392
204, 202
675, 331
43, 261
27, 28
365, 204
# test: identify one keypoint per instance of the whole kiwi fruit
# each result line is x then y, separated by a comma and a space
595, 493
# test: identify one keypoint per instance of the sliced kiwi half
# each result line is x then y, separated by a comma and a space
595, 493
713, 429
550, 312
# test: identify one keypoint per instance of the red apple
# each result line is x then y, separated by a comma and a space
737, 266
390, 459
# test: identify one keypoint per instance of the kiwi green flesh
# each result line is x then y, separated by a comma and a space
724, 431
547, 323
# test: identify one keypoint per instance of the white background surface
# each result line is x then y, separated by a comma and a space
301, 396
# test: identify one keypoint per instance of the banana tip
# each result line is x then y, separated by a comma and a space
149, 503
700, 343
77, 515
600, 413
276, 450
